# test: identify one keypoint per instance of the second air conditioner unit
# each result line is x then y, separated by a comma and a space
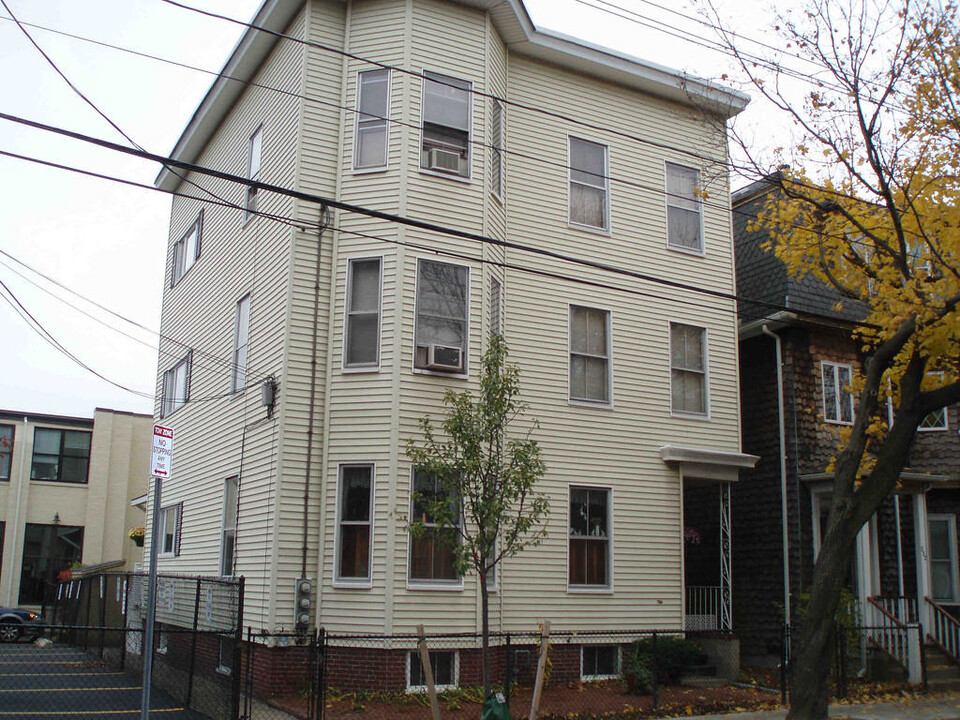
443, 160
444, 357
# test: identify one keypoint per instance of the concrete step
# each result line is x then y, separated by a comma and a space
702, 681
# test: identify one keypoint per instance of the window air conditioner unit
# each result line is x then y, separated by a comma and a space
443, 160
445, 358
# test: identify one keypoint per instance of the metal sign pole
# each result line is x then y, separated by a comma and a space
147, 644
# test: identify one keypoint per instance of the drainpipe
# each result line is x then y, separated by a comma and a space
783, 474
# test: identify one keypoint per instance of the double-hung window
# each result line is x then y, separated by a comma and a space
171, 521
589, 354
241, 339
837, 399
176, 386
431, 553
373, 102
589, 201
254, 153
688, 369
228, 533
496, 148
442, 330
354, 519
496, 307
60, 455
446, 125
6, 450
943, 557
361, 342
684, 231
589, 537
187, 250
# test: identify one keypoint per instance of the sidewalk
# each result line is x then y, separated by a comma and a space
940, 707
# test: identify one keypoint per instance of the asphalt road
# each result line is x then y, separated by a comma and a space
62, 682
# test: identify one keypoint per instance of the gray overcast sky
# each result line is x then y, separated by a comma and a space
108, 241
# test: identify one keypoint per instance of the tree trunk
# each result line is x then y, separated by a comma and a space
485, 643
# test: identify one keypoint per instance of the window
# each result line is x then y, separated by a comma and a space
496, 147
496, 307
253, 172
837, 400
60, 455
588, 184
446, 125
228, 535
186, 251
241, 337
599, 662
176, 386
6, 450
443, 663
683, 208
688, 369
936, 420
47, 550
171, 520
354, 522
589, 537
373, 99
442, 330
589, 354
361, 342
431, 554
943, 557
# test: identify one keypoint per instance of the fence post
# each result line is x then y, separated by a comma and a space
193, 644
923, 656
321, 675
841, 661
237, 647
656, 670
508, 668
86, 622
784, 659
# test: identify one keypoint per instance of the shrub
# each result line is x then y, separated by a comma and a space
673, 655
637, 674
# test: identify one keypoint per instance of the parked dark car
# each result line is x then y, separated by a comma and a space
16, 623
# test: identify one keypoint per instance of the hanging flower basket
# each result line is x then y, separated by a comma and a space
691, 536
136, 534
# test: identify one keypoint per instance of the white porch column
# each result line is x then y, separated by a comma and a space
921, 540
726, 566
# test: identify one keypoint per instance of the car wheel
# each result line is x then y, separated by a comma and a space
9, 632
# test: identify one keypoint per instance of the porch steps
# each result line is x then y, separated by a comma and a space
943, 673
702, 676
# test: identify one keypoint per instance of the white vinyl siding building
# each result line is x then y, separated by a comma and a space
364, 323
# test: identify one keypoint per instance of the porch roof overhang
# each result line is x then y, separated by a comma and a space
703, 464
910, 482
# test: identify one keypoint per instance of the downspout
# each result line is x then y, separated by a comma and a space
16, 513
783, 474
313, 393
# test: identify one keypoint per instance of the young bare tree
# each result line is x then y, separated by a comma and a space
870, 204
475, 498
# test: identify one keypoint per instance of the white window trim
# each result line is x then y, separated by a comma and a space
608, 230
465, 375
951, 521
607, 589
248, 215
468, 178
586, 402
666, 213
387, 124
423, 688
196, 225
235, 369
497, 107
939, 428
371, 368
834, 366
186, 362
619, 650
688, 414
162, 528
223, 525
355, 583
420, 583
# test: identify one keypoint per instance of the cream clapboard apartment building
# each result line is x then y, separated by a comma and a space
70, 490
461, 115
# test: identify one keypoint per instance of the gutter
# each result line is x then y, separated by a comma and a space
765, 329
